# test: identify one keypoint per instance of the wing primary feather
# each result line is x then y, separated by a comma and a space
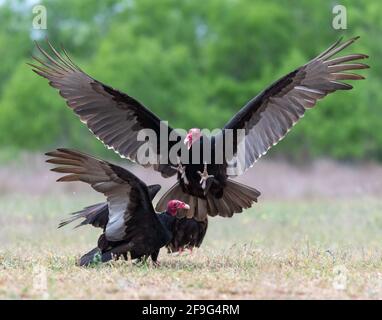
338, 49
328, 49
56, 53
54, 62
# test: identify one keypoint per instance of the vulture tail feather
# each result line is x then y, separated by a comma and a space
97, 215
95, 257
236, 197
90, 258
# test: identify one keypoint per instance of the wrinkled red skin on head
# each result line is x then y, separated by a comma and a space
174, 205
192, 136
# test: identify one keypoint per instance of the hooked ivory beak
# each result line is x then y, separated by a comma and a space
187, 207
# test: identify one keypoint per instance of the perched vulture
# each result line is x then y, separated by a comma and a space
116, 119
128, 219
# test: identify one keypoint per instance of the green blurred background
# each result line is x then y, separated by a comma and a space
194, 63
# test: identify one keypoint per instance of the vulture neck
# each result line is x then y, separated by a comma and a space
171, 212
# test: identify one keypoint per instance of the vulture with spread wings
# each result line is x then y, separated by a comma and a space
116, 119
129, 222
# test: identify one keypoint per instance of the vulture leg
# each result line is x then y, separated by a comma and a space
204, 176
154, 258
181, 170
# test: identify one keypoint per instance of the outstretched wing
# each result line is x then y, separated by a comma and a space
131, 213
268, 117
112, 116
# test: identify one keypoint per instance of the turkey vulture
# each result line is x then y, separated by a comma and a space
116, 119
186, 232
129, 222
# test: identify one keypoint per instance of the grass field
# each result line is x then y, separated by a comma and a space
317, 248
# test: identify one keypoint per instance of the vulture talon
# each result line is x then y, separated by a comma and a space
181, 169
204, 176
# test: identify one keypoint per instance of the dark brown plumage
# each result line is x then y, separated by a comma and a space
268, 117
187, 234
115, 118
129, 222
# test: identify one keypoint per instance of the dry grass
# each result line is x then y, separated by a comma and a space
278, 249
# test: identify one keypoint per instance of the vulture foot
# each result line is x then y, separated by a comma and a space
182, 170
204, 176
156, 264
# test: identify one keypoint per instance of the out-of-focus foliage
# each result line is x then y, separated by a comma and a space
194, 63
